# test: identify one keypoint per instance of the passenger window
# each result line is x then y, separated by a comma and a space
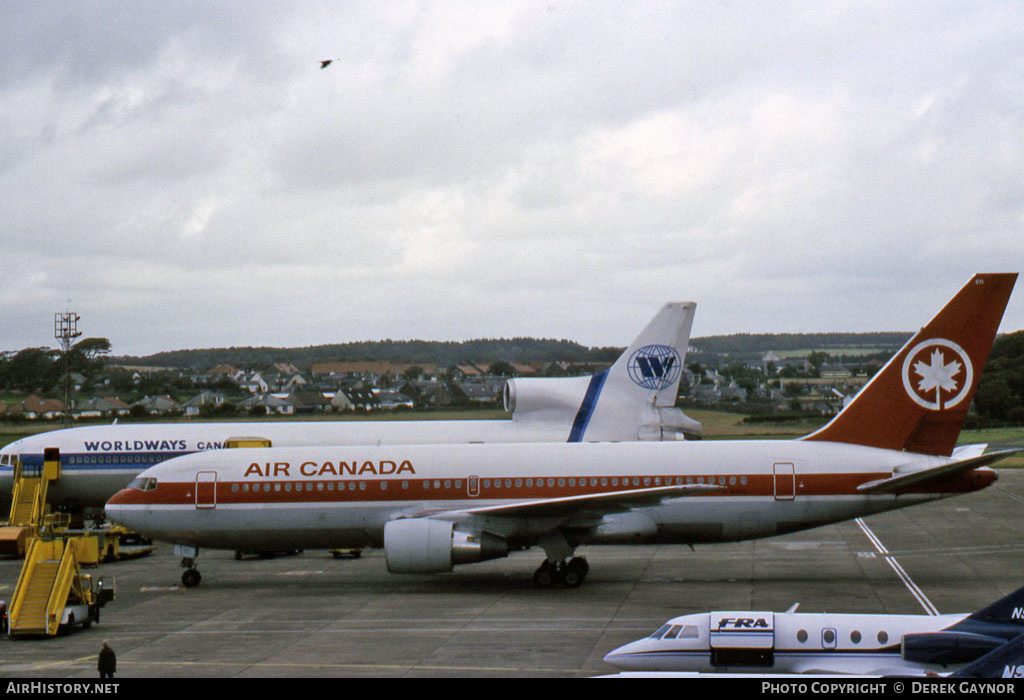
883, 637
801, 636
855, 637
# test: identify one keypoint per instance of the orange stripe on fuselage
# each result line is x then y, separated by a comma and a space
453, 489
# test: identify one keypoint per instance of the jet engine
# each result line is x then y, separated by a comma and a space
560, 401
429, 546
561, 395
947, 647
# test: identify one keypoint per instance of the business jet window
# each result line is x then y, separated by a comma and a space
801, 636
689, 632
673, 632
855, 637
883, 637
660, 631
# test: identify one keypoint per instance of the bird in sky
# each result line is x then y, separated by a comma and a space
325, 63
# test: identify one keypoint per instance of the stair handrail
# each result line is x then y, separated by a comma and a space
62, 582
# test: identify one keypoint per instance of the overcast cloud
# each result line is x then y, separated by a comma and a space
185, 175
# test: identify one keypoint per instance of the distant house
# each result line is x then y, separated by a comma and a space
389, 400
253, 383
834, 371
107, 407
35, 407
482, 392
156, 405
273, 405
307, 401
341, 402
361, 398
367, 369
193, 406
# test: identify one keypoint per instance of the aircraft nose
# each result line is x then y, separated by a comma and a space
623, 657
116, 510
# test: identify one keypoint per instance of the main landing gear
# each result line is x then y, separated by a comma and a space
561, 573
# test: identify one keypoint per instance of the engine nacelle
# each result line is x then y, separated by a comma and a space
559, 395
947, 647
429, 546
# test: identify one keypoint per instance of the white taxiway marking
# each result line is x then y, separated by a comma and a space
895, 565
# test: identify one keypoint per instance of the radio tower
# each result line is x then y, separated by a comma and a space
65, 330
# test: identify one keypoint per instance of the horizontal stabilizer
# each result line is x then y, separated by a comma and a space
899, 481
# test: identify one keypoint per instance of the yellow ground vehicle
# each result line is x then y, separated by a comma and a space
52, 593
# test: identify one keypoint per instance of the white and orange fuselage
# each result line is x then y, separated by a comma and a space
595, 493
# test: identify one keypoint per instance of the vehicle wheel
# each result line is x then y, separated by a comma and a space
581, 564
191, 578
573, 577
544, 576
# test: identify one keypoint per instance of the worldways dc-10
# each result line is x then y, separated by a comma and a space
632, 400
794, 642
432, 507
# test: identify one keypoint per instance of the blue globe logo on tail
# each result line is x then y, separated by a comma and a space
654, 366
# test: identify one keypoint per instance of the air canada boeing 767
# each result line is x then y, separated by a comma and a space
435, 506
634, 399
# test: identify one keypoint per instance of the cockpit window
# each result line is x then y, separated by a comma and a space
660, 631
7, 459
673, 632
143, 483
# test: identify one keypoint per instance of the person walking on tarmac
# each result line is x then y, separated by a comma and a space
107, 663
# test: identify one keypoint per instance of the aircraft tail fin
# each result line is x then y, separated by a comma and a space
643, 383
634, 399
918, 401
1005, 611
1006, 661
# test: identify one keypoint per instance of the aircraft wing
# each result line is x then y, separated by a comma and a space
902, 479
598, 503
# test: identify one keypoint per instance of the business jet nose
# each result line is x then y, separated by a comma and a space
625, 658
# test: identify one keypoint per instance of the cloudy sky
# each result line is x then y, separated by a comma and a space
183, 174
